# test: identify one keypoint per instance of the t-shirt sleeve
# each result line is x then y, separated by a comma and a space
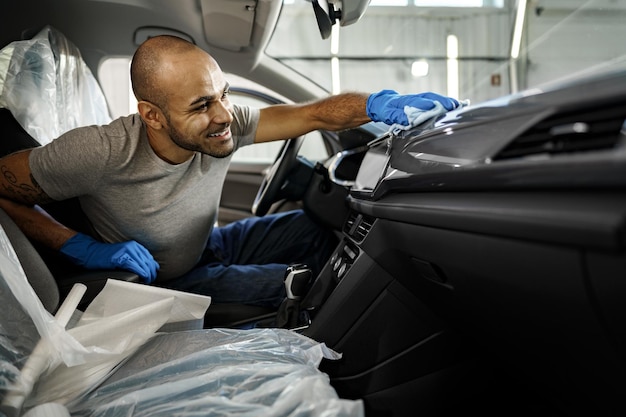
246, 120
72, 164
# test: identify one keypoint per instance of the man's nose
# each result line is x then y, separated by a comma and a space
223, 112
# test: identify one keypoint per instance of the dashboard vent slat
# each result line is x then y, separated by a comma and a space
580, 131
357, 226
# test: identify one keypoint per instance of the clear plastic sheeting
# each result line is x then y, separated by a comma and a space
48, 88
18, 334
219, 372
132, 371
122, 317
23, 325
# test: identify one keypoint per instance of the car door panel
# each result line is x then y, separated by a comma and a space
240, 188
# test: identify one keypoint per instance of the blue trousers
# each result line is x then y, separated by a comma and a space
245, 261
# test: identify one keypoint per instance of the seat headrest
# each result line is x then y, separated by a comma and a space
48, 88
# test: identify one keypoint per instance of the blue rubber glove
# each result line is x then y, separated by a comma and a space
131, 256
387, 106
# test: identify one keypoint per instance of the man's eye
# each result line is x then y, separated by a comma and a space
202, 107
225, 94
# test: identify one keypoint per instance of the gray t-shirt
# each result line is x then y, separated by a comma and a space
129, 193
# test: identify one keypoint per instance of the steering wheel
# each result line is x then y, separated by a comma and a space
272, 184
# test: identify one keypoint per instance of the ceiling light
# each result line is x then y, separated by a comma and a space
419, 68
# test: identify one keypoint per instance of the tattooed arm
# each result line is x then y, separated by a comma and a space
19, 194
17, 182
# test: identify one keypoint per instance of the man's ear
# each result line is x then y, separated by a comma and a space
150, 114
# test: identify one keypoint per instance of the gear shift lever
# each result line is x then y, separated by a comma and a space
297, 279
289, 315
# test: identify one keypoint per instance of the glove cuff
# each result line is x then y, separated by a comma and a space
372, 104
77, 248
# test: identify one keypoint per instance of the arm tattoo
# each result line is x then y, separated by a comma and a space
28, 193
41, 194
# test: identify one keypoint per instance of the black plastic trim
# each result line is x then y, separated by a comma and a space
591, 219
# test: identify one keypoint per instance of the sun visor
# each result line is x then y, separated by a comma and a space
228, 23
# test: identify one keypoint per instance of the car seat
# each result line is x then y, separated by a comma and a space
69, 213
36, 271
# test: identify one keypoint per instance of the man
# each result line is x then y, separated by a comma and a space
150, 183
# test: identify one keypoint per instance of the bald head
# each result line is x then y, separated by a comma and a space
150, 64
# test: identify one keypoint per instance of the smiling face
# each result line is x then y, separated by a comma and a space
183, 98
198, 113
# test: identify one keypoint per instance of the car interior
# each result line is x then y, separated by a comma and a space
480, 264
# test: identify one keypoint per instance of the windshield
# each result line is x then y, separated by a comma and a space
491, 49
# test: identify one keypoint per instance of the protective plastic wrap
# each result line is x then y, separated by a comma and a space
219, 372
24, 325
132, 372
34, 345
48, 88
122, 317
18, 334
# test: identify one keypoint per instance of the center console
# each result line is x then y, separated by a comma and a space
393, 346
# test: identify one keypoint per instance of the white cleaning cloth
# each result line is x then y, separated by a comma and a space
418, 116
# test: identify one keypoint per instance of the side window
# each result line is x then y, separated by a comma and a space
114, 78
264, 153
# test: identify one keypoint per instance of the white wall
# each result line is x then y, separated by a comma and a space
561, 40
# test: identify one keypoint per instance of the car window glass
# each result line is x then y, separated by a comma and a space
312, 148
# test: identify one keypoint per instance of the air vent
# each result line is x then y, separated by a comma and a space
357, 226
580, 131
350, 222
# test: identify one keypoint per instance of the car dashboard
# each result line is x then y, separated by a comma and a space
485, 251
571, 135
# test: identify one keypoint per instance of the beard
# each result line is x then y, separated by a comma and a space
214, 148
